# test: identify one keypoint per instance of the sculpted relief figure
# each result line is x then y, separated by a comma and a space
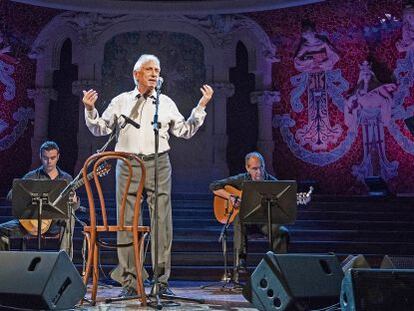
315, 53
4, 49
370, 100
370, 106
407, 41
315, 59
7, 66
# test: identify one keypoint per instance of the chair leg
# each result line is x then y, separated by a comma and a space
89, 260
138, 267
95, 277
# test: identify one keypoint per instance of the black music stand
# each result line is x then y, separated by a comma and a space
32, 199
268, 202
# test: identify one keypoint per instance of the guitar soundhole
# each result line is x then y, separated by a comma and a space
34, 263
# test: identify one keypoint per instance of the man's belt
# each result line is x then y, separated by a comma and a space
150, 157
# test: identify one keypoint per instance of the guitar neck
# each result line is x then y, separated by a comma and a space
81, 182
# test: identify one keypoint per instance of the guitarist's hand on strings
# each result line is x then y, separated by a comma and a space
74, 200
235, 200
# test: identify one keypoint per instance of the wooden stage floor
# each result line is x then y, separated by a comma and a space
215, 298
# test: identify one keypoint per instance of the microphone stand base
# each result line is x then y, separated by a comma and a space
226, 283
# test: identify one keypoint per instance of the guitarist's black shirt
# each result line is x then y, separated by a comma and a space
39, 173
236, 181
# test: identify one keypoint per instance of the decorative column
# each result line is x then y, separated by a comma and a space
41, 98
222, 91
265, 143
87, 143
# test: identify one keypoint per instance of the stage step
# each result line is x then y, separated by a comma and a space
343, 225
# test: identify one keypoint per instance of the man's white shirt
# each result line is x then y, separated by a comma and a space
141, 141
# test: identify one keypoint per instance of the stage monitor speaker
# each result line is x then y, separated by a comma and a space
378, 290
294, 282
39, 280
397, 262
354, 261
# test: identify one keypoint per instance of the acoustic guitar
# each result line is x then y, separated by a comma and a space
223, 207
30, 225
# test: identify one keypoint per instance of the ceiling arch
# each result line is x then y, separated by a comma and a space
168, 7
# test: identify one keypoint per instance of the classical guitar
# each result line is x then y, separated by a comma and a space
30, 225
223, 207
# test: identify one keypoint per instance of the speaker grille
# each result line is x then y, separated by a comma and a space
376, 289
397, 262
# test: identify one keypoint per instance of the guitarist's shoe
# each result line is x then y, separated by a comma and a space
242, 267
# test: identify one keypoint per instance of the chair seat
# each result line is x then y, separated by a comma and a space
117, 228
45, 236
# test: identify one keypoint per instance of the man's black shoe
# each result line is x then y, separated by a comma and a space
165, 290
127, 292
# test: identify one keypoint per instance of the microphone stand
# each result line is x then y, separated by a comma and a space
226, 281
156, 287
156, 128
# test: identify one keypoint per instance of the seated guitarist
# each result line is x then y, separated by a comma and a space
255, 167
49, 156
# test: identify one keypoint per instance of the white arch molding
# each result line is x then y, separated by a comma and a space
218, 35
168, 7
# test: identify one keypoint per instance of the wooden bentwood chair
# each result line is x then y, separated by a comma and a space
93, 231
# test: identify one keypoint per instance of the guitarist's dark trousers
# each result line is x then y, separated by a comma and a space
280, 237
13, 229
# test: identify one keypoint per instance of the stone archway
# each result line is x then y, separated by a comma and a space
218, 36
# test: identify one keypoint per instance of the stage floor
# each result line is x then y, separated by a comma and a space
215, 298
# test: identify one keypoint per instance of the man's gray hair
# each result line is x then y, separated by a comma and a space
254, 154
144, 58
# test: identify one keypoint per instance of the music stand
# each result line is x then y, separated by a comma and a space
268, 202
32, 199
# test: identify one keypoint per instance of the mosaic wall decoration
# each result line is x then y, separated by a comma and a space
346, 77
19, 26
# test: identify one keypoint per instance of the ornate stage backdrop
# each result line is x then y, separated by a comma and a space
19, 26
345, 77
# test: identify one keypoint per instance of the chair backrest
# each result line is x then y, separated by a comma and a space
96, 161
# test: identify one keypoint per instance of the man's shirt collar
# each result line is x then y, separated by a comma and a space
136, 94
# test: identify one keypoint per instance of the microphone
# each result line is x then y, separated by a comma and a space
159, 83
128, 120
82, 209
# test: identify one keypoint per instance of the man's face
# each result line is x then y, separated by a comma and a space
49, 159
147, 75
308, 35
255, 169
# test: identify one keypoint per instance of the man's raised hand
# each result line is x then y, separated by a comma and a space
89, 99
207, 92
